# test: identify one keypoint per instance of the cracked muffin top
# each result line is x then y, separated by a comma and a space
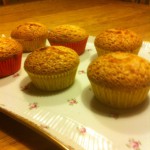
67, 33
118, 40
30, 31
120, 70
9, 47
51, 60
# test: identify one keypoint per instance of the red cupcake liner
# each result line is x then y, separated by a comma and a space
10, 65
79, 46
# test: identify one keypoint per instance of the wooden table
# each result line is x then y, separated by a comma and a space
95, 16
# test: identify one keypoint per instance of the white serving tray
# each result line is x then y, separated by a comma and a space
72, 118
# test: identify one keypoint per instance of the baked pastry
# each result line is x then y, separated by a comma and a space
120, 80
31, 35
112, 40
52, 68
70, 36
10, 56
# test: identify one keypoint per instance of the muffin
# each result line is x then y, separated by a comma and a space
10, 56
112, 40
31, 35
70, 36
120, 80
52, 68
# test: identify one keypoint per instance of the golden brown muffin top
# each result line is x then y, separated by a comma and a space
30, 31
9, 47
120, 70
51, 60
67, 33
118, 40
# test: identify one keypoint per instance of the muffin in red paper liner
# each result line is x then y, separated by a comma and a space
70, 36
10, 56
31, 35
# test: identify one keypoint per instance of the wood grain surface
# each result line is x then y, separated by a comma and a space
93, 15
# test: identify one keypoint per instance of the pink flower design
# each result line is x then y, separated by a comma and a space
82, 72
33, 105
16, 75
72, 101
82, 129
135, 145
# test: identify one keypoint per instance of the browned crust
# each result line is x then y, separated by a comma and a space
120, 70
9, 47
30, 31
67, 33
51, 60
118, 40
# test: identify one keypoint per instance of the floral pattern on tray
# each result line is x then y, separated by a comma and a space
75, 115
133, 144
